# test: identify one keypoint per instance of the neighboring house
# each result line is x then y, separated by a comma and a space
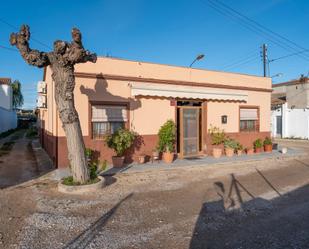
8, 118
290, 109
142, 96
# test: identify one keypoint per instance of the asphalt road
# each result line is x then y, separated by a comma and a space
251, 205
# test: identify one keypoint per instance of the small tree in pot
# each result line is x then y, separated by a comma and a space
217, 138
167, 138
230, 146
258, 145
120, 141
268, 145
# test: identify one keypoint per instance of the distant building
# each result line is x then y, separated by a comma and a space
290, 109
8, 116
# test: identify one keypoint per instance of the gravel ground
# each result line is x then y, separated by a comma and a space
249, 205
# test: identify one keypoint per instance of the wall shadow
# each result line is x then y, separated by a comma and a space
87, 236
100, 94
231, 222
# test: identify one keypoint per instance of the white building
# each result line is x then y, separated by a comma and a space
8, 117
290, 109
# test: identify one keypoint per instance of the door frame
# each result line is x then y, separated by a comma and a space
199, 131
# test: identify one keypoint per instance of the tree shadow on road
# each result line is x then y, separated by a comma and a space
232, 222
87, 236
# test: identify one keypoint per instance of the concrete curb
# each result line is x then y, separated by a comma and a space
82, 189
283, 157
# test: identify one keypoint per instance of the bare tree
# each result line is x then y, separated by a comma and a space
62, 60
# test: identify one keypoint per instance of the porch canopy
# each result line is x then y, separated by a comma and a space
186, 92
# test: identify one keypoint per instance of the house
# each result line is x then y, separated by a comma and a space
290, 109
142, 96
8, 116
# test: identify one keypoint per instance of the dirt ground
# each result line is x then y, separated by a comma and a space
261, 204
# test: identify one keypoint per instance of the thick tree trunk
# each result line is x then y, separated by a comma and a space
64, 97
62, 60
76, 149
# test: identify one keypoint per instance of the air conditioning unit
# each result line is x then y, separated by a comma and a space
42, 87
41, 101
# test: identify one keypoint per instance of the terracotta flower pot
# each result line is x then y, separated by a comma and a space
118, 161
239, 152
258, 150
216, 152
250, 151
141, 159
168, 157
229, 152
268, 147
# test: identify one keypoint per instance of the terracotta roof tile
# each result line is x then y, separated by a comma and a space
5, 81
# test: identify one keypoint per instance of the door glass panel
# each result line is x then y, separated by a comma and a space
190, 131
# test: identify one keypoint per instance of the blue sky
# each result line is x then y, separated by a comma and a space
169, 32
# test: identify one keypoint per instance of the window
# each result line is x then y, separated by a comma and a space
107, 119
249, 120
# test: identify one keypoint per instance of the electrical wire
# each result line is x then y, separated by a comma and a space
260, 25
289, 55
240, 59
15, 29
256, 30
9, 49
255, 58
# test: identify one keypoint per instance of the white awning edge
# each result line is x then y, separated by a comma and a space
188, 92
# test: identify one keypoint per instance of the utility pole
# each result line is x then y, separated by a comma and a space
264, 57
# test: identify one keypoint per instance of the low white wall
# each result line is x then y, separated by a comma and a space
6, 96
8, 120
295, 122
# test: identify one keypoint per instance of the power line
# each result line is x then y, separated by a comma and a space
249, 26
260, 25
15, 28
9, 49
240, 62
255, 58
240, 59
248, 21
289, 55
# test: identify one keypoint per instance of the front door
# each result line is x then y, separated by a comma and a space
189, 131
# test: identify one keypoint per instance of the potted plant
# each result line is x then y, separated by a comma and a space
249, 151
230, 146
120, 141
155, 155
217, 138
141, 158
167, 138
239, 149
268, 145
258, 145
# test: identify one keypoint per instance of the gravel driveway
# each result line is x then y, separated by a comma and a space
251, 205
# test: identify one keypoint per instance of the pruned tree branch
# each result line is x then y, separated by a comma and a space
61, 61
32, 57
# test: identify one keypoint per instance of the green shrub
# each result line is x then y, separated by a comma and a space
258, 143
88, 153
267, 141
93, 170
239, 146
120, 141
167, 136
217, 135
32, 132
230, 143
70, 182
103, 165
